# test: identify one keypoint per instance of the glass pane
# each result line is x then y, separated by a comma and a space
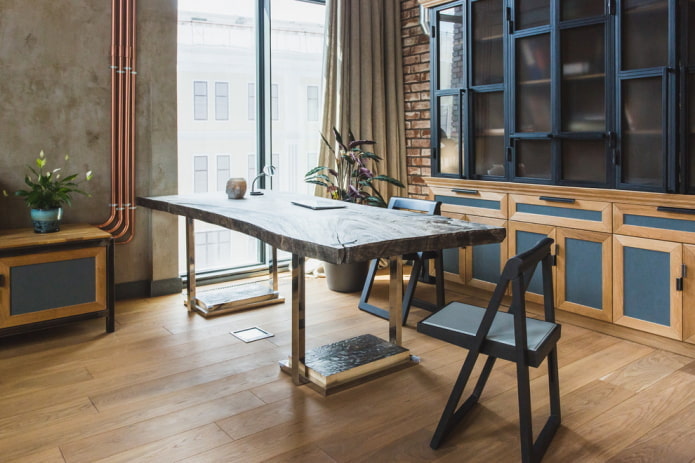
489, 133
644, 34
584, 161
533, 158
531, 13
450, 45
642, 133
533, 88
575, 9
449, 134
691, 32
488, 63
296, 30
691, 129
583, 79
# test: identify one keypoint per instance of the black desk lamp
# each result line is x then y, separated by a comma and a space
267, 171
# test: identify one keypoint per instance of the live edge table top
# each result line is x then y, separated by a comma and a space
352, 233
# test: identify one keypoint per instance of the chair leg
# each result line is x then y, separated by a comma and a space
451, 416
410, 289
366, 291
525, 421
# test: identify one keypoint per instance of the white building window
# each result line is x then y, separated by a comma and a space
223, 171
200, 100
200, 174
252, 102
312, 103
212, 248
222, 101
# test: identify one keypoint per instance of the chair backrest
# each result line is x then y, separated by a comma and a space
518, 272
418, 205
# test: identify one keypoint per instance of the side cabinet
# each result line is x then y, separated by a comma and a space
50, 278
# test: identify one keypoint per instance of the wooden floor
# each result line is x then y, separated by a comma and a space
168, 386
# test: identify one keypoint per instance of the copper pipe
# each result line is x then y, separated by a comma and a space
128, 123
131, 176
113, 67
119, 121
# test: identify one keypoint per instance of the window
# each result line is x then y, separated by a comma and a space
252, 101
200, 174
274, 105
312, 103
200, 100
212, 248
223, 171
222, 101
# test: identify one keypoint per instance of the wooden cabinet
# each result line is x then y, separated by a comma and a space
46, 278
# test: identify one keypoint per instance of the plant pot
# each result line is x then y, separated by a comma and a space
46, 220
346, 278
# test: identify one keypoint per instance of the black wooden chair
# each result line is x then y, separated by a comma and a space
420, 270
507, 335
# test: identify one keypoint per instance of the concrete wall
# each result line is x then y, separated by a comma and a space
55, 96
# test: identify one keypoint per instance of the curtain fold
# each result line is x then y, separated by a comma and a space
363, 82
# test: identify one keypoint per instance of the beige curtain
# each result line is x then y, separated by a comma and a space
363, 82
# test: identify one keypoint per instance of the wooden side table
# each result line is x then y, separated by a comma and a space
46, 279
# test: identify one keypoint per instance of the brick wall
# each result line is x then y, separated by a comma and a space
416, 82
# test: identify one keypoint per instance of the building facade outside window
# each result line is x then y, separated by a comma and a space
221, 101
312, 103
200, 174
251, 101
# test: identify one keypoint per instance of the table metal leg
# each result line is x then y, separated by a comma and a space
395, 299
274, 269
298, 313
190, 263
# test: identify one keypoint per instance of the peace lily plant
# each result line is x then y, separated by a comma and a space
48, 189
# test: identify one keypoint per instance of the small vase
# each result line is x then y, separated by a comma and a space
346, 278
46, 220
236, 188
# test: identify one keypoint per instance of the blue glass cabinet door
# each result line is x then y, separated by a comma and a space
584, 282
645, 294
523, 236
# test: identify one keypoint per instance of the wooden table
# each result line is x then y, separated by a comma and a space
352, 233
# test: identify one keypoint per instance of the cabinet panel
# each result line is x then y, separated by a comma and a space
50, 285
484, 263
561, 211
523, 236
473, 202
584, 283
453, 259
645, 292
650, 222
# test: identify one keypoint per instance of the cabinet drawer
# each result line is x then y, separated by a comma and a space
663, 223
561, 211
473, 202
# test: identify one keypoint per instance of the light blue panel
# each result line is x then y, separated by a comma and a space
565, 212
450, 260
583, 273
659, 222
647, 285
486, 262
50, 285
525, 241
471, 202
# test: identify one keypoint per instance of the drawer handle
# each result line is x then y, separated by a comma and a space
462, 190
676, 210
557, 200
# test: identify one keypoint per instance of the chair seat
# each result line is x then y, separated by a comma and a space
457, 323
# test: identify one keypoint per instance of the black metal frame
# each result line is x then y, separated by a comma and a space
517, 272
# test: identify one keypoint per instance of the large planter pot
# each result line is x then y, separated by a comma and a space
46, 220
346, 278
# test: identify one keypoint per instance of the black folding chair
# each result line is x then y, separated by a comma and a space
510, 336
420, 270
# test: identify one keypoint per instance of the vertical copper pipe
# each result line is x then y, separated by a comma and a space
133, 76
119, 121
114, 60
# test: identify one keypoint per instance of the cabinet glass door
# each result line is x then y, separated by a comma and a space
449, 116
487, 46
578, 9
488, 122
532, 13
450, 56
533, 84
644, 38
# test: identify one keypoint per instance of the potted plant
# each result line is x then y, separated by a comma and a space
351, 179
48, 191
